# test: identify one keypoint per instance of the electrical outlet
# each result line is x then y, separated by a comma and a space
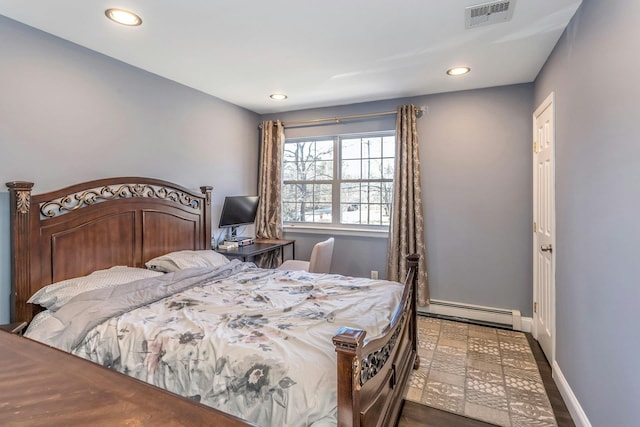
374, 274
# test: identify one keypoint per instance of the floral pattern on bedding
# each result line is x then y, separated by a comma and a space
256, 344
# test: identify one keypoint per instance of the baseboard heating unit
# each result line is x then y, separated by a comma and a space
477, 313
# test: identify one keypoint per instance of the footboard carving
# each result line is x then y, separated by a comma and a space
372, 376
374, 362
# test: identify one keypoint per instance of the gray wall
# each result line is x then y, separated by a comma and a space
477, 178
593, 71
68, 114
352, 255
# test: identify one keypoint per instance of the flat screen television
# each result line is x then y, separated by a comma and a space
237, 211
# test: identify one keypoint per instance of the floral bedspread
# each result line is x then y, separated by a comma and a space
256, 343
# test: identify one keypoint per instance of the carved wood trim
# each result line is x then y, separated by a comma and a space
78, 200
348, 343
373, 362
20, 218
206, 190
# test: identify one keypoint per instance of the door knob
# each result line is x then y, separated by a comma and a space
548, 248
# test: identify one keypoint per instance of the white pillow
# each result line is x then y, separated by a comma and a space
39, 319
54, 296
180, 260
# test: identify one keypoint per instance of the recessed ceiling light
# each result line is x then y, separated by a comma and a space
123, 17
278, 96
458, 71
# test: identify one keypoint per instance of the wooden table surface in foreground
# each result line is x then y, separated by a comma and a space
40, 385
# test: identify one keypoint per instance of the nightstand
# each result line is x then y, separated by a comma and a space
14, 328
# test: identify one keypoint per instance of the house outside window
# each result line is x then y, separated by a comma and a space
343, 181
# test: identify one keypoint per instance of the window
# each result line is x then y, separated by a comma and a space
343, 180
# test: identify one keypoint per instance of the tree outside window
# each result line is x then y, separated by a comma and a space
343, 180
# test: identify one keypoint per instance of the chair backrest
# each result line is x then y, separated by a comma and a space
321, 255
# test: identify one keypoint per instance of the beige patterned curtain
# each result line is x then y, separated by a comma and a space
269, 216
406, 233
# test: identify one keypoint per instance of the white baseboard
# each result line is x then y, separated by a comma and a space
527, 324
579, 417
475, 312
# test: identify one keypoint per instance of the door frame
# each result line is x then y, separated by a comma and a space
549, 102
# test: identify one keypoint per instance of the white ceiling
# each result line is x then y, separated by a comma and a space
320, 53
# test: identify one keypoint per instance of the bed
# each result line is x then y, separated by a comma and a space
131, 221
44, 386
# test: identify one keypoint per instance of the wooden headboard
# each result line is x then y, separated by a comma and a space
95, 225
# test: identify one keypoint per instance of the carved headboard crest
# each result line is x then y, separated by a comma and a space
71, 202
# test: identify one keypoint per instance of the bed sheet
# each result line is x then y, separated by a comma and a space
251, 342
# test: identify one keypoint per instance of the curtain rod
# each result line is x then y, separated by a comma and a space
338, 119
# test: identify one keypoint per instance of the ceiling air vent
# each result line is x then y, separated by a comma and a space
493, 12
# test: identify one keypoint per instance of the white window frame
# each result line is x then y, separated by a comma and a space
368, 230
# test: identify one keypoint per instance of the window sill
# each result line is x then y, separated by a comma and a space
336, 231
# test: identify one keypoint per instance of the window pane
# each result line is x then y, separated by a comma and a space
351, 149
324, 169
291, 212
307, 205
388, 166
324, 150
371, 147
386, 196
374, 214
374, 191
290, 151
350, 192
322, 193
290, 192
308, 160
386, 213
351, 169
389, 146
289, 171
364, 193
350, 213
321, 213
364, 214
292, 196
294, 165
375, 169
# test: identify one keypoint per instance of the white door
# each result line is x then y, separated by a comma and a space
544, 227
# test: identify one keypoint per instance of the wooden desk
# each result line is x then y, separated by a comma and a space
259, 247
40, 385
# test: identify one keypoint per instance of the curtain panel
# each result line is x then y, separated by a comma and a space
269, 216
406, 231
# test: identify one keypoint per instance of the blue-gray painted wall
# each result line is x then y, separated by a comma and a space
594, 73
68, 114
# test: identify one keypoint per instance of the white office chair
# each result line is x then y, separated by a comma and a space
320, 261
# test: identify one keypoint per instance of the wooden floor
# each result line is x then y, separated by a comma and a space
414, 414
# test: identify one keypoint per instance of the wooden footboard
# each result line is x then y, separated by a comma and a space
372, 377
